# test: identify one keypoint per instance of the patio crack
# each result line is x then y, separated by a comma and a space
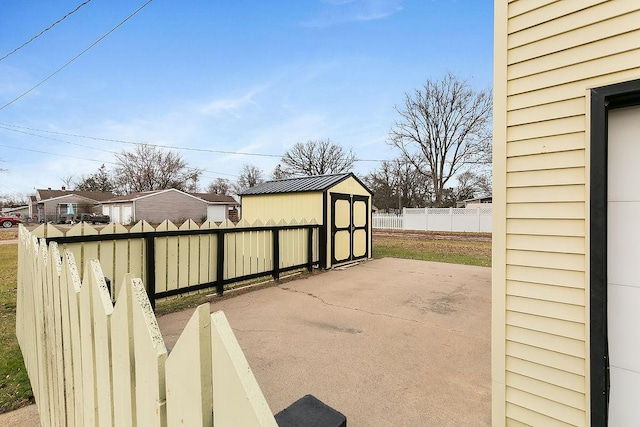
373, 313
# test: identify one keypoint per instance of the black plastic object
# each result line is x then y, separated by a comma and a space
310, 412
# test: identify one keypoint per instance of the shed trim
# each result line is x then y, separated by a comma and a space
306, 184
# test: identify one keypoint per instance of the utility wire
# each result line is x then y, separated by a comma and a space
77, 56
44, 31
95, 138
56, 154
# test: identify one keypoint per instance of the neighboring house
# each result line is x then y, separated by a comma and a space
339, 202
170, 204
50, 205
566, 234
21, 212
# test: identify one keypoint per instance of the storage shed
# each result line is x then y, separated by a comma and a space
566, 203
341, 203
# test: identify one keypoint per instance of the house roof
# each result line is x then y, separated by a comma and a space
209, 198
216, 198
46, 194
298, 185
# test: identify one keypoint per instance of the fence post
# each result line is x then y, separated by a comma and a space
151, 270
276, 254
310, 250
450, 219
220, 265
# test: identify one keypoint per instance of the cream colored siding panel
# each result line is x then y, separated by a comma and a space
561, 160
548, 358
556, 310
575, 73
598, 31
548, 128
546, 259
547, 227
530, 418
545, 373
520, 7
550, 144
350, 186
562, 244
570, 90
548, 407
551, 342
540, 388
539, 113
565, 328
291, 206
582, 16
577, 55
572, 279
574, 296
565, 210
558, 193
549, 13
567, 176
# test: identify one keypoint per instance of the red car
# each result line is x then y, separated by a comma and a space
9, 221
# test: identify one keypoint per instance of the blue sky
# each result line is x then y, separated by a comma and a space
243, 76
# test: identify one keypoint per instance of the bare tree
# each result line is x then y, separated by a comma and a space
219, 186
250, 176
98, 181
397, 184
279, 173
471, 184
148, 168
317, 158
443, 127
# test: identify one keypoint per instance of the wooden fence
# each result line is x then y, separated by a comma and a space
173, 259
91, 363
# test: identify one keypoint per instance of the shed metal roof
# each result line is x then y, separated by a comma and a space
297, 185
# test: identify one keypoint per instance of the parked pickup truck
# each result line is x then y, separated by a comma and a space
92, 218
9, 221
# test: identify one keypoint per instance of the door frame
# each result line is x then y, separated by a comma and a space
351, 198
603, 99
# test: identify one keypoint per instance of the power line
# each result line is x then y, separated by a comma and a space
95, 138
55, 154
44, 31
77, 56
8, 126
55, 139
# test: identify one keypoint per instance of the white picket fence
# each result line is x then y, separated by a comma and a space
93, 363
436, 219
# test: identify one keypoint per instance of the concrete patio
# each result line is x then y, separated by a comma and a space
387, 342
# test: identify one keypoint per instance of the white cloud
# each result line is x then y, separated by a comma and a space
230, 105
344, 11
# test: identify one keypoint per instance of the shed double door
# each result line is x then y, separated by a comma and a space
349, 227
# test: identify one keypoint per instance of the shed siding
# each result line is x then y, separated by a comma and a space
288, 206
548, 54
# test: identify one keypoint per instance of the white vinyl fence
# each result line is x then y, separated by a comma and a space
437, 219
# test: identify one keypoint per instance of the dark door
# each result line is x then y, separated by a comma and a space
349, 227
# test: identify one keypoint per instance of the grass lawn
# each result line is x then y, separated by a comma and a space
455, 248
15, 390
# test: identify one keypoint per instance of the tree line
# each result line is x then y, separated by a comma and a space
442, 137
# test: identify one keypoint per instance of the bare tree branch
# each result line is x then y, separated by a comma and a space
318, 157
148, 168
443, 127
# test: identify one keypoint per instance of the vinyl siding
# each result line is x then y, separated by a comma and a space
174, 206
548, 54
288, 207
